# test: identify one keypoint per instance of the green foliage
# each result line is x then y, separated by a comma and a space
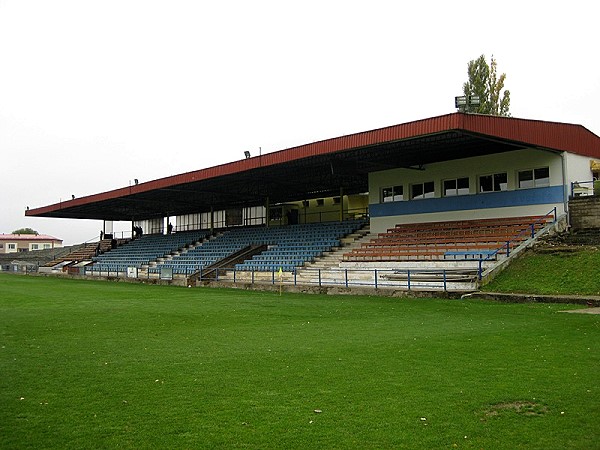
566, 273
485, 83
117, 365
25, 231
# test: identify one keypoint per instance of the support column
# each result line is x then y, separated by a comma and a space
212, 220
341, 204
268, 211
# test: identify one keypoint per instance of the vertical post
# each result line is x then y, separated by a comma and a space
267, 212
572, 184
346, 276
408, 279
319, 277
253, 275
272, 275
375, 278
533, 229
212, 220
295, 275
234, 275
217, 274
305, 204
445, 287
507, 249
341, 204
479, 270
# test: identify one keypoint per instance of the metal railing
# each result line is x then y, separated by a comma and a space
585, 188
505, 248
406, 279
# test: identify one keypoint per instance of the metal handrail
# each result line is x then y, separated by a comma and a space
585, 188
530, 230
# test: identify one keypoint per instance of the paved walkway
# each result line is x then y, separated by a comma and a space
593, 301
584, 311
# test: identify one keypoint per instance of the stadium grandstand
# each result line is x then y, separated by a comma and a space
439, 203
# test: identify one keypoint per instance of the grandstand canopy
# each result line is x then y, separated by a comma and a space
321, 169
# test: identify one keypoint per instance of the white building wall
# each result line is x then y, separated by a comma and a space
578, 167
151, 226
509, 162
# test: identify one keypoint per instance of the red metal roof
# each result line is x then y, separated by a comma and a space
28, 237
505, 131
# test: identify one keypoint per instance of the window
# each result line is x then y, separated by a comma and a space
12, 246
422, 190
493, 183
47, 246
320, 202
458, 186
34, 247
534, 178
392, 194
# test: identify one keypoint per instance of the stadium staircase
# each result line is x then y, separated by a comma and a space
141, 252
82, 254
464, 239
211, 272
451, 254
422, 255
255, 249
307, 272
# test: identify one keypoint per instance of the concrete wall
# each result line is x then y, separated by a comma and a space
511, 202
584, 212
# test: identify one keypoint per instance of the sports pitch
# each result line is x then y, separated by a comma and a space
116, 365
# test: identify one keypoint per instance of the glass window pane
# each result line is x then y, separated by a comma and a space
387, 195
542, 176
526, 179
449, 188
428, 189
485, 183
500, 182
462, 186
398, 193
417, 191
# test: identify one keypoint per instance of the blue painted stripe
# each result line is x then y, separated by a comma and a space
521, 197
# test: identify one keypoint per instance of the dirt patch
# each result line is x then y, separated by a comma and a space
525, 408
584, 311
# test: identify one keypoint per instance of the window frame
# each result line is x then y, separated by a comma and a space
535, 181
493, 181
425, 194
456, 188
394, 195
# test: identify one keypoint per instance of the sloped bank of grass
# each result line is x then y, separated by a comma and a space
572, 271
115, 365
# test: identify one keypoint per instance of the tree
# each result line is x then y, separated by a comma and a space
25, 231
485, 83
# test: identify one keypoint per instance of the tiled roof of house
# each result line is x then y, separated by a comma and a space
28, 237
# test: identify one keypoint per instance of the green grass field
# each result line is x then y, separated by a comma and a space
115, 365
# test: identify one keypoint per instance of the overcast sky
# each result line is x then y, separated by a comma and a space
94, 94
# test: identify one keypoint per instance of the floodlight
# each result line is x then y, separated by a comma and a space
467, 103
460, 102
247, 154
